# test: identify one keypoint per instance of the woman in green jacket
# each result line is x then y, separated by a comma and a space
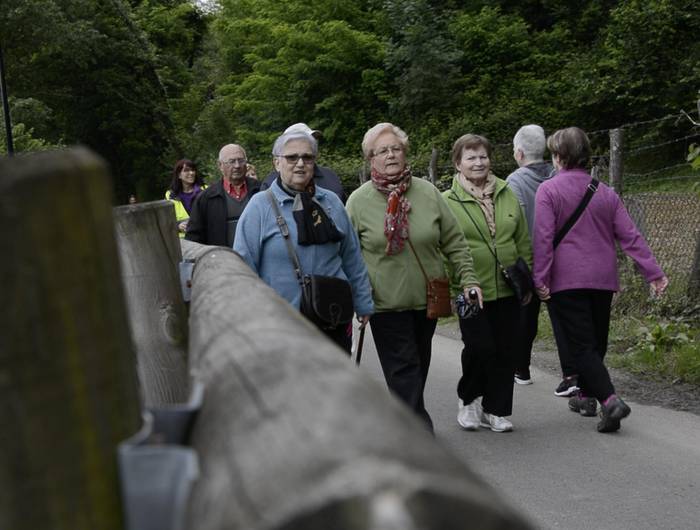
392, 213
491, 218
184, 189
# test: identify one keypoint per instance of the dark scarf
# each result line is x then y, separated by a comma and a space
314, 227
397, 208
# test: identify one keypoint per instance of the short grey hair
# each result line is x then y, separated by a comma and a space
285, 138
374, 132
531, 141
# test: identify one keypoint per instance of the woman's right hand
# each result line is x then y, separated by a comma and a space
543, 293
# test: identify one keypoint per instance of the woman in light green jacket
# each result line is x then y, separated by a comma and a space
490, 216
391, 213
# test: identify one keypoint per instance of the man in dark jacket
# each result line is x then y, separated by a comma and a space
217, 209
323, 176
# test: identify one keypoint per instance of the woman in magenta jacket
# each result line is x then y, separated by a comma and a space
579, 277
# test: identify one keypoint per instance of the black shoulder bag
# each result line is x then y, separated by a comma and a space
517, 276
325, 300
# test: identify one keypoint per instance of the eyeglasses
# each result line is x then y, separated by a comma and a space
384, 151
293, 159
234, 161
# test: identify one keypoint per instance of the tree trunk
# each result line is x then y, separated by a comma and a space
68, 386
292, 436
149, 250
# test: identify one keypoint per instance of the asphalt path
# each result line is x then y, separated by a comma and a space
557, 468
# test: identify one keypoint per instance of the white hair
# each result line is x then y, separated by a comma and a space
372, 134
531, 141
287, 137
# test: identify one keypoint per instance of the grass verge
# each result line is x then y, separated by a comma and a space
651, 346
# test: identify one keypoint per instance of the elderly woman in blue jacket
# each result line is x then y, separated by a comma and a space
319, 229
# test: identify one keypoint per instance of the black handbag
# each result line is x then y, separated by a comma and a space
517, 276
519, 279
325, 300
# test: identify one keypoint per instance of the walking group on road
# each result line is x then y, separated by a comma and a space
547, 233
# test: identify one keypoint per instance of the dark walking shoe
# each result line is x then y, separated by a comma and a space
568, 387
522, 377
611, 414
586, 406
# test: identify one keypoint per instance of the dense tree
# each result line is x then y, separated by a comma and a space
144, 82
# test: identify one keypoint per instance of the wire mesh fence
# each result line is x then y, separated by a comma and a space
670, 223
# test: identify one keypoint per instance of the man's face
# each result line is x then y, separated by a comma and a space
232, 163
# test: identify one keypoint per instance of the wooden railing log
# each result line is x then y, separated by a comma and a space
68, 384
292, 436
149, 251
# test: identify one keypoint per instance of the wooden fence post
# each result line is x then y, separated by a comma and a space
432, 168
291, 436
616, 159
149, 250
68, 384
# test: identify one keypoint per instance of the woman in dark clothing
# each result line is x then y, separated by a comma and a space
184, 188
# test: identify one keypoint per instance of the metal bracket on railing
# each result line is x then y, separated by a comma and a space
157, 469
186, 266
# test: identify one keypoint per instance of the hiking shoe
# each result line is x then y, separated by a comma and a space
522, 377
568, 387
611, 414
469, 416
586, 406
495, 423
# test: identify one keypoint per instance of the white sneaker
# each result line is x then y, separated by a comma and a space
495, 423
469, 416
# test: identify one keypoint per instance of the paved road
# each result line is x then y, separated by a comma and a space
558, 469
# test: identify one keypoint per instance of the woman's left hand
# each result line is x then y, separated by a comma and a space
363, 319
182, 227
543, 293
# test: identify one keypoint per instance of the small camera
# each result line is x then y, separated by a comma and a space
467, 309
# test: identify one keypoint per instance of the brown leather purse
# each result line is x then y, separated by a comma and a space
437, 293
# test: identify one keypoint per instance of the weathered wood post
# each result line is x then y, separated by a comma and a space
292, 436
616, 159
694, 280
68, 384
149, 250
432, 167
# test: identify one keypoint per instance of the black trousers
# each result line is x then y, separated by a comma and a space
404, 345
583, 321
566, 361
529, 317
489, 355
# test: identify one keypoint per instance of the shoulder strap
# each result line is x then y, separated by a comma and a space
455, 198
284, 230
571, 221
418, 260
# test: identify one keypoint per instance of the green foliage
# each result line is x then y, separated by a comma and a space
666, 347
144, 82
694, 156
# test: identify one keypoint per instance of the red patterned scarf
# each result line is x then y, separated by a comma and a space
397, 208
